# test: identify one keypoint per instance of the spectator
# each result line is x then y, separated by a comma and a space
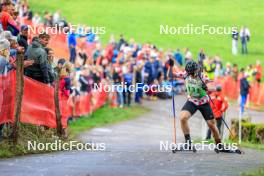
8, 23
56, 17
258, 71
228, 69
72, 43
4, 68
235, 72
235, 36
117, 79
4, 56
244, 90
139, 83
201, 57
64, 69
128, 78
36, 20
250, 73
51, 67
39, 70
188, 55
8, 7
121, 42
84, 81
178, 57
44, 39
22, 38
47, 19
83, 56
209, 68
245, 37
219, 105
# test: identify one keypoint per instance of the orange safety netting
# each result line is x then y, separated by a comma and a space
7, 97
230, 88
38, 105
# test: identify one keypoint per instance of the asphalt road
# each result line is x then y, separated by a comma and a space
133, 149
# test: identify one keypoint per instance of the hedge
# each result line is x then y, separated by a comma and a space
253, 133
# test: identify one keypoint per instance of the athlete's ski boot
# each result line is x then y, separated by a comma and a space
188, 146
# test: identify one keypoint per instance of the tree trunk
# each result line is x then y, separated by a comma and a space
57, 106
19, 95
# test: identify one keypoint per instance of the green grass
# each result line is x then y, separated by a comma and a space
257, 172
27, 133
253, 146
105, 116
141, 20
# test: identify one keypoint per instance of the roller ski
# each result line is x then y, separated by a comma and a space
186, 147
222, 149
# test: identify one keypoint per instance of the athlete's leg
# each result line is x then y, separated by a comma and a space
184, 117
208, 115
211, 124
187, 111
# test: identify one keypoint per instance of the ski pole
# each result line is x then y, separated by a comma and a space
173, 109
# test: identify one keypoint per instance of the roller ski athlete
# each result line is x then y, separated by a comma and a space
198, 99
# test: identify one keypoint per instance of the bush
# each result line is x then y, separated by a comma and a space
253, 133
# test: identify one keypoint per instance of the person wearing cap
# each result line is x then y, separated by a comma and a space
219, 107
22, 38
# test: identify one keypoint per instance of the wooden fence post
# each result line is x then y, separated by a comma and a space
19, 94
57, 105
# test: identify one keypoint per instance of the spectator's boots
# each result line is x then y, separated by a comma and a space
222, 148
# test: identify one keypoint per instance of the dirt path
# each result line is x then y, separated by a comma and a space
133, 148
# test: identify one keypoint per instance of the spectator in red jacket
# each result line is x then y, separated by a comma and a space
7, 21
219, 106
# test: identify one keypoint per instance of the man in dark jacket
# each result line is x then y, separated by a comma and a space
22, 38
244, 90
39, 70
